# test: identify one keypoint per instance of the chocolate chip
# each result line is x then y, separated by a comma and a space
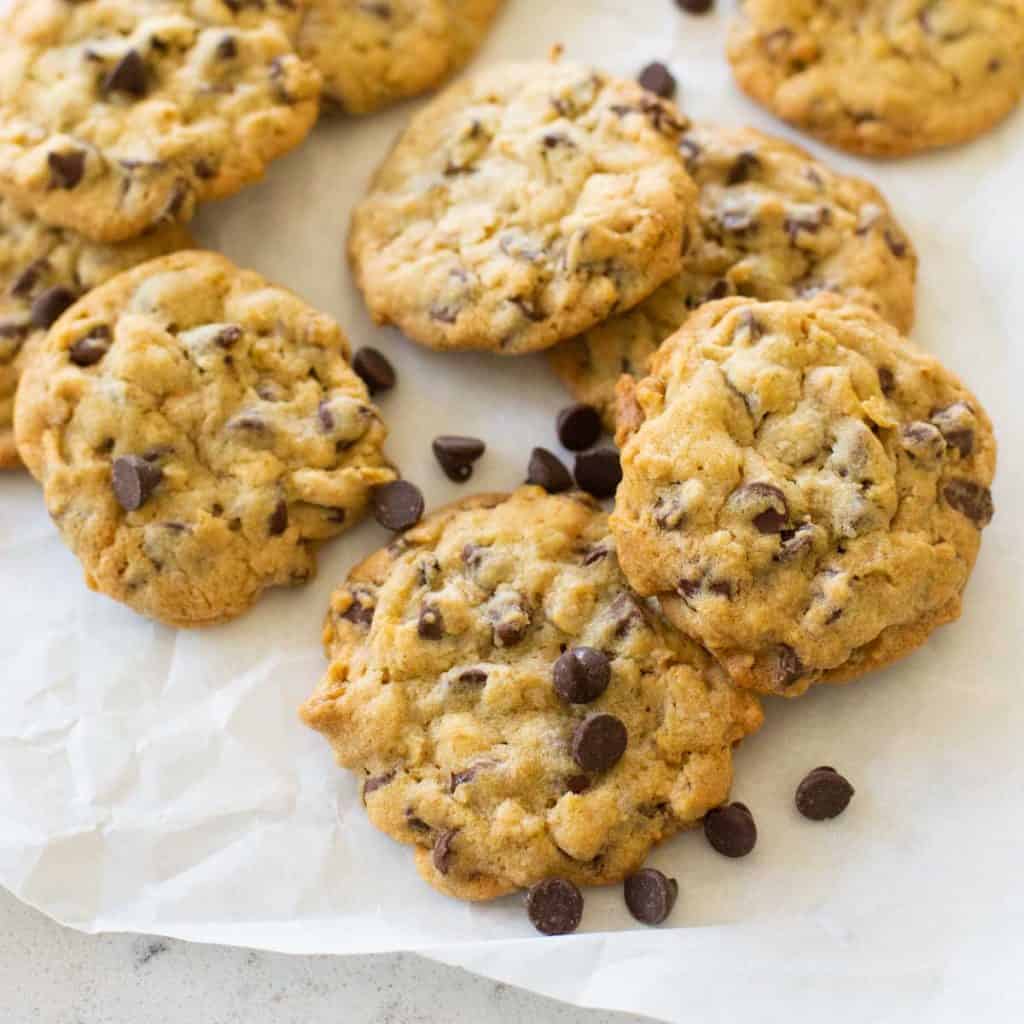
545, 470
577, 784
956, 422
745, 163
658, 79
25, 281
886, 380
578, 426
66, 169
134, 480
473, 677
430, 625
277, 522
897, 246
227, 48
971, 500
555, 906
598, 742
795, 542
360, 611
414, 822
599, 472
228, 335
397, 505
456, 455
788, 666
650, 896
461, 778
823, 793
376, 782
442, 853
91, 348
770, 513
374, 369
730, 829
49, 306
922, 440
695, 6
129, 75
581, 675
508, 634
594, 555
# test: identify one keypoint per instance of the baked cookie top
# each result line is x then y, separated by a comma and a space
806, 489
774, 223
42, 271
374, 54
119, 115
196, 430
521, 206
882, 77
514, 711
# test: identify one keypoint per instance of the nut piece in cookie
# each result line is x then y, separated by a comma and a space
803, 488
512, 709
197, 431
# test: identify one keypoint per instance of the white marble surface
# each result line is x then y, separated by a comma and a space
52, 975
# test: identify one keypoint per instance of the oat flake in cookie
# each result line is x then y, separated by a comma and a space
42, 271
882, 77
196, 431
372, 54
120, 115
805, 491
522, 206
774, 223
479, 742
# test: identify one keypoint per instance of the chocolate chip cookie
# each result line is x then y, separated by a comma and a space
197, 431
774, 223
522, 206
512, 709
43, 270
117, 116
374, 54
882, 77
805, 490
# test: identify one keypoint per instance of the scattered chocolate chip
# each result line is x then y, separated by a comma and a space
730, 829
397, 505
134, 480
66, 169
555, 906
374, 369
129, 75
970, 499
578, 426
658, 79
50, 304
277, 522
430, 625
376, 782
650, 896
695, 6
598, 472
823, 793
598, 742
581, 675
456, 455
442, 853
91, 348
545, 470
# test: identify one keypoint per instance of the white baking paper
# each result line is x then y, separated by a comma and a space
159, 781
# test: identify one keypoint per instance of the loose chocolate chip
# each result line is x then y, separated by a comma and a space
581, 675
970, 499
578, 426
730, 829
134, 480
456, 455
598, 742
431, 623
374, 369
376, 782
91, 348
658, 79
545, 470
66, 169
49, 306
397, 505
442, 853
129, 75
650, 896
695, 6
555, 906
277, 522
599, 472
823, 793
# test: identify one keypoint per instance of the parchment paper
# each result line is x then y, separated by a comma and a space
159, 781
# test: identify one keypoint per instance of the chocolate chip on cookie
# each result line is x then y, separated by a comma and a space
555, 906
731, 830
134, 479
49, 306
823, 793
581, 675
599, 741
650, 895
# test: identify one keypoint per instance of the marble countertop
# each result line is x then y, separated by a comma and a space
52, 975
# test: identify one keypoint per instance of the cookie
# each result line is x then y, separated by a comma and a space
117, 116
882, 77
374, 54
197, 431
512, 710
774, 223
42, 271
806, 490
522, 206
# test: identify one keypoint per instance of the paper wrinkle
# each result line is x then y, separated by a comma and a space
158, 781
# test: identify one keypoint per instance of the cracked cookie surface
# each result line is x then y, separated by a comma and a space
805, 490
882, 77
523, 205
444, 694
197, 431
117, 116
774, 223
42, 270
374, 54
